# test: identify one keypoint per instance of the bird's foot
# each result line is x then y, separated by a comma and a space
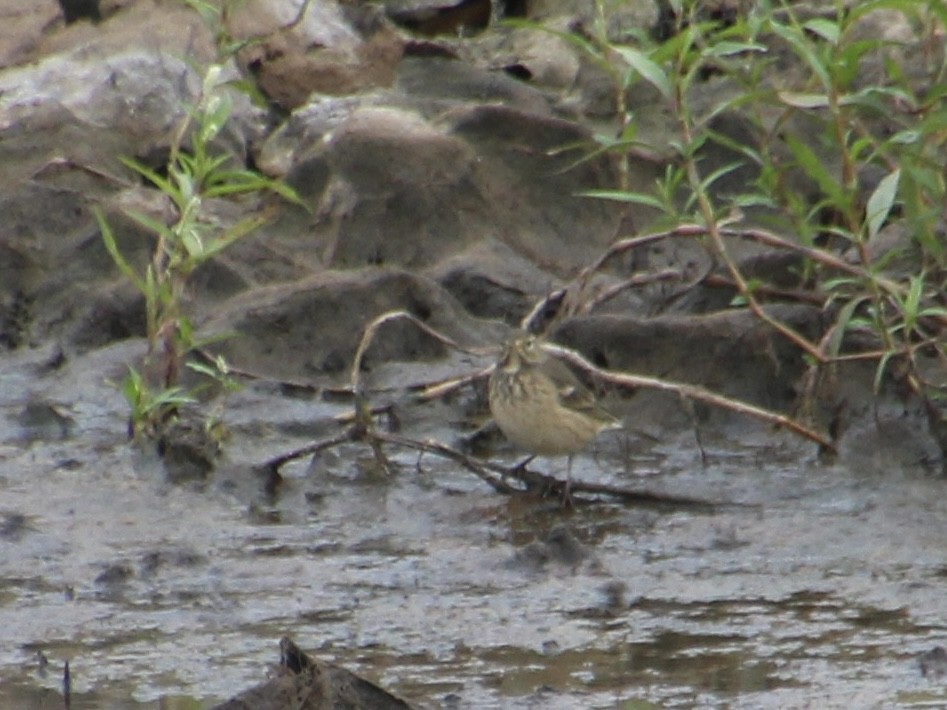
521, 466
565, 496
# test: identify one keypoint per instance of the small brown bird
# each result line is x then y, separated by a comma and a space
541, 406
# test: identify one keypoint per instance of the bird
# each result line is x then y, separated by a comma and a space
541, 406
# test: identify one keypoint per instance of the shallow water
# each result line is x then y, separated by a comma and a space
820, 589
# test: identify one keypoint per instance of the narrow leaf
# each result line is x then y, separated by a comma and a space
638, 198
719, 173
801, 46
880, 371
150, 223
651, 72
881, 201
112, 247
799, 100
826, 29
843, 322
811, 163
142, 169
727, 49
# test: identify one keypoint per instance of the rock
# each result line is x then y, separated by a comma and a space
75, 10
188, 449
442, 82
531, 185
321, 51
22, 26
40, 420
442, 17
306, 683
933, 663
701, 349
301, 136
492, 281
558, 548
311, 328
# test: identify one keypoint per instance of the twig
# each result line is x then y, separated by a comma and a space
534, 480
628, 495
635, 281
812, 297
490, 473
433, 390
275, 464
695, 392
362, 409
66, 687
760, 236
352, 417
435, 447
372, 329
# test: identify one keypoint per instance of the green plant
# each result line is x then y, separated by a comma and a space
827, 103
191, 178
150, 409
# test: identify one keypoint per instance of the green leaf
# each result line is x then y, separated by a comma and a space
880, 371
287, 193
799, 100
133, 389
185, 331
204, 369
881, 202
161, 183
191, 241
727, 49
186, 187
755, 200
173, 396
234, 182
842, 323
848, 61
211, 167
719, 173
800, 45
638, 198
235, 232
826, 29
934, 122
215, 338
112, 247
651, 72
811, 163
905, 137
147, 222
837, 283
218, 110
913, 301
737, 145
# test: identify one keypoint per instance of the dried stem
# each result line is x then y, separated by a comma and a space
694, 392
492, 474
363, 416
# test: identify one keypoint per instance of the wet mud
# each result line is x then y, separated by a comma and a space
808, 584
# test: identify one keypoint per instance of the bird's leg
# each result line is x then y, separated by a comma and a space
518, 471
567, 501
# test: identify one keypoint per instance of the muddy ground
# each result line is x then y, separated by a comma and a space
433, 181
809, 585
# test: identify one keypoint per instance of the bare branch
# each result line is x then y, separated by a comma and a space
695, 392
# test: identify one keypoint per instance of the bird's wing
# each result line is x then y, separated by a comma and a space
574, 395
